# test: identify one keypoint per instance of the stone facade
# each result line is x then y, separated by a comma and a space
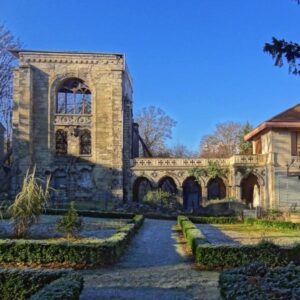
97, 174
1, 141
73, 120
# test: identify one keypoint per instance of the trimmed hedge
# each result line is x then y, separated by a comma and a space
21, 284
67, 253
215, 220
231, 255
66, 288
192, 234
273, 224
257, 282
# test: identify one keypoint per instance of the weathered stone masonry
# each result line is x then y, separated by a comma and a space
99, 175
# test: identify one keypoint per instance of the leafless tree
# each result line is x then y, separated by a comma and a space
7, 42
178, 150
225, 141
155, 127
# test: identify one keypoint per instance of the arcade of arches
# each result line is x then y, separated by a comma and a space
195, 193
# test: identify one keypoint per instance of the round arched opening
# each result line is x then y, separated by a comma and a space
168, 184
250, 190
141, 187
216, 189
192, 194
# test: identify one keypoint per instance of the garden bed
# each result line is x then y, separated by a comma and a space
45, 228
79, 253
214, 256
39, 284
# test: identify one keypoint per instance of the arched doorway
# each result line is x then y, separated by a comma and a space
247, 188
192, 194
216, 189
141, 187
168, 184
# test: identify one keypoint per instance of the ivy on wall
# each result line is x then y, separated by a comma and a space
213, 170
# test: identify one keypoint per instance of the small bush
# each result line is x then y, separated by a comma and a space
70, 224
29, 203
159, 198
66, 288
258, 282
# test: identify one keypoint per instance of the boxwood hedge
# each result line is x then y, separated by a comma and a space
273, 224
231, 255
21, 284
70, 253
258, 282
64, 288
215, 220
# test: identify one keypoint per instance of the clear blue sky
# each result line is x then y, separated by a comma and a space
199, 60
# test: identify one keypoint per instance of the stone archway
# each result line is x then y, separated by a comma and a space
192, 194
168, 184
247, 188
141, 187
216, 189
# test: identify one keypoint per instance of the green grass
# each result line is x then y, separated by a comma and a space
245, 228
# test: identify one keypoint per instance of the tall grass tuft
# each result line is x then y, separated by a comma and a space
29, 203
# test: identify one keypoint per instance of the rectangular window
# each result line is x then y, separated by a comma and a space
295, 143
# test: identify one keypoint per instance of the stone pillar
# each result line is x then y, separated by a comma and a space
22, 124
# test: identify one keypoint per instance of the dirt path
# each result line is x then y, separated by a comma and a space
154, 266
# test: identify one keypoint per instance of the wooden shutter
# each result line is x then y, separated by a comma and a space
294, 143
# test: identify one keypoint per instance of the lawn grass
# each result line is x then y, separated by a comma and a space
246, 228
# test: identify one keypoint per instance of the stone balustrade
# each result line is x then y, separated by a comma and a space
183, 163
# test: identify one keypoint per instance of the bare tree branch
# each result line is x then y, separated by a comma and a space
7, 42
155, 127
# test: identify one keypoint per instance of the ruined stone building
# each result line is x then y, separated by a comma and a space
73, 120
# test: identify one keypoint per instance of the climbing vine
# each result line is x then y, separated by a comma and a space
213, 170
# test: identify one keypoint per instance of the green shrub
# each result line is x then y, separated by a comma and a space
256, 281
70, 224
215, 220
85, 252
273, 224
192, 234
224, 256
29, 203
159, 197
20, 284
66, 288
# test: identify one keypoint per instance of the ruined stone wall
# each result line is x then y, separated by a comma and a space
99, 175
1, 141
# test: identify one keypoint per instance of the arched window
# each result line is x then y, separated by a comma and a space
73, 97
61, 141
85, 142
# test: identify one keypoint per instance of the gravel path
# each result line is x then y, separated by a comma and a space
215, 235
155, 266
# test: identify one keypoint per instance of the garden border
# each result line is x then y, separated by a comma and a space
224, 255
67, 253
